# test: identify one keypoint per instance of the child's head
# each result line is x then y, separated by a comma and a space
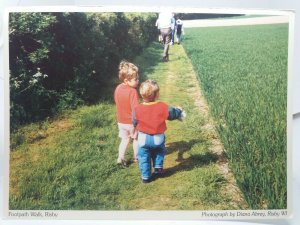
128, 73
149, 90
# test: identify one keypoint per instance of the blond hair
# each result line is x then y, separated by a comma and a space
127, 71
149, 90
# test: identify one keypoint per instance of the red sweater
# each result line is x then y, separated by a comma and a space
126, 98
151, 117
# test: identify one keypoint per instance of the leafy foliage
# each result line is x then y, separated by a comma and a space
196, 16
62, 60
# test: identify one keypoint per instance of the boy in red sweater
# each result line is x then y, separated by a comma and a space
150, 121
126, 98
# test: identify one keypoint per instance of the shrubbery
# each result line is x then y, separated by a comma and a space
62, 60
196, 16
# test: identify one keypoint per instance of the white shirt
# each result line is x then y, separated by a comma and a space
164, 20
179, 21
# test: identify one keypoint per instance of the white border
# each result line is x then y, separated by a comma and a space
142, 215
290, 109
117, 8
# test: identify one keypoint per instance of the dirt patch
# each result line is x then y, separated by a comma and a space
43, 135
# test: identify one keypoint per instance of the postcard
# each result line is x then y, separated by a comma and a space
148, 113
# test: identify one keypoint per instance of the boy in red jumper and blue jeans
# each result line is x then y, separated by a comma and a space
149, 118
126, 98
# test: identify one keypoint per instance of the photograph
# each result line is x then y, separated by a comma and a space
156, 111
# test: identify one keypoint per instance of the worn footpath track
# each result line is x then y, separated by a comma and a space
180, 87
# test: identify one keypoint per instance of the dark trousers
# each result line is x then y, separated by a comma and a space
166, 34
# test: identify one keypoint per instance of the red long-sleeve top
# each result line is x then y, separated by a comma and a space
126, 98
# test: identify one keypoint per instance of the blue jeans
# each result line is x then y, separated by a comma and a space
150, 148
173, 34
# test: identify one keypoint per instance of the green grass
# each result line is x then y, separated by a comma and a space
72, 165
243, 72
66, 172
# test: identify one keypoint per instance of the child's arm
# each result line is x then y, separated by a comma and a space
134, 99
134, 120
175, 113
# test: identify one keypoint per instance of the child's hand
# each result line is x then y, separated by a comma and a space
176, 113
182, 115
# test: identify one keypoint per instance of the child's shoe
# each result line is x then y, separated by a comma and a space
135, 160
146, 181
158, 172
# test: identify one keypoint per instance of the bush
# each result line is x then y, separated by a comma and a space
62, 60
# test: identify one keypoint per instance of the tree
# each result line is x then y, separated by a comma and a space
29, 47
61, 60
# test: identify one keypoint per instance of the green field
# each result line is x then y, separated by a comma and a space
69, 162
243, 73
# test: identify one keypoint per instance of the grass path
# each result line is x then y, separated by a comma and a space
216, 147
70, 163
195, 153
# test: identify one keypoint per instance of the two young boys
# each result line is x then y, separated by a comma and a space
145, 123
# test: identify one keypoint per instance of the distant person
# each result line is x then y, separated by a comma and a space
150, 121
179, 30
126, 98
173, 28
164, 23
158, 31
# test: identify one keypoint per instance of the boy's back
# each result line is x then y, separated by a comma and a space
151, 117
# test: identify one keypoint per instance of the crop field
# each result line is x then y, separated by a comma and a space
243, 73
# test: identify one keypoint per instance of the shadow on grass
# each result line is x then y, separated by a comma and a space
195, 160
181, 147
